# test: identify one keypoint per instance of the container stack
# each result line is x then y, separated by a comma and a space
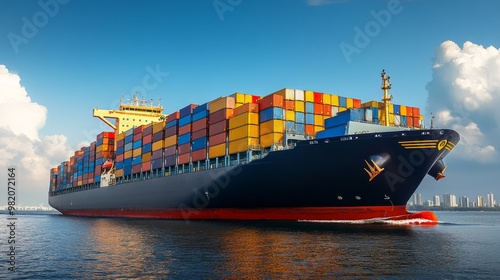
157, 145
399, 115
243, 132
243, 98
54, 173
147, 147
184, 136
137, 149
271, 119
105, 149
221, 110
199, 132
120, 151
171, 132
127, 152
63, 176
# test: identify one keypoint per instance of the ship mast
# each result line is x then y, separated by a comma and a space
386, 86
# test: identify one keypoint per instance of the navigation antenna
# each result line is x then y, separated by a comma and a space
386, 86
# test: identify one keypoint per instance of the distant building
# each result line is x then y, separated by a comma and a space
437, 200
417, 199
480, 201
429, 203
491, 200
449, 200
464, 202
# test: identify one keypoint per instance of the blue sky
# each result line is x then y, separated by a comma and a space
73, 56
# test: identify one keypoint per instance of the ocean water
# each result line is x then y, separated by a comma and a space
464, 245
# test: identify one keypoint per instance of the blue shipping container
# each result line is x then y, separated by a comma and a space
271, 113
120, 151
202, 107
127, 147
309, 118
396, 109
300, 117
137, 144
137, 160
375, 113
200, 115
300, 128
184, 139
310, 107
146, 148
332, 132
186, 111
119, 165
127, 162
171, 123
290, 126
344, 117
199, 144
342, 101
184, 120
129, 139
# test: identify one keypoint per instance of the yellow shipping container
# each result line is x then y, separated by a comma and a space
369, 104
267, 140
243, 119
272, 126
309, 96
318, 120
239, 97
318, 128
243, 145
120, 136
248, 98
288, 94
222, 103
146, 157
391, 108
290, 115
250, 130
157, 145
170, 141
327, 99
334, 100
119, 173
127, 154
342, 109
402, 110
137, 152
158, 126
349, 102
217, 151
300, 106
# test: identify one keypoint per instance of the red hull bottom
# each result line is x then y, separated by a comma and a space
277, 214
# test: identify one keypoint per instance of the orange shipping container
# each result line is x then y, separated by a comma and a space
409, 111
242, 145
127, 154
246, 131
120, 136
356, 103
327, 110
146, 157
267, 140
416, 112
199, 155
309, 128
217, 151
170, 141
184, 129
158, 145
183, 159
272, 100
271, 126
318, 109
158, 126
137, 152
286, 93
289, 105
243, 119
222, 103
119, 173
246, 108
146, 166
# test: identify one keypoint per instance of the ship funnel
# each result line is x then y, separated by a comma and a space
437, 170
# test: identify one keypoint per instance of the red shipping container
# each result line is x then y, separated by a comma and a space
137, 137
246, 108
221, 115
216, 128
147, 139
119, 157
327, 110
170, 150
146, 166
85, 181
199, 134
416, 121
289, 105
183, 159
409, 121
136, 168
356, 103
199, 124
272, 100
138, 130
199, 155
173, 116
255, 98
173, 130
409, 111
183, 149
318, 97
416, 112
217, 139
185, 129
318, 109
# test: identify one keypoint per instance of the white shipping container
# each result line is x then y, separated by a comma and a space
397, 120
335, 111
368, 115
299, 94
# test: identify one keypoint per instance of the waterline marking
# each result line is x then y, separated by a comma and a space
11, 219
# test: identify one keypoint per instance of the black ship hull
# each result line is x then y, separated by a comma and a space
342, 178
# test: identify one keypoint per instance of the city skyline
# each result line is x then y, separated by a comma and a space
451, 200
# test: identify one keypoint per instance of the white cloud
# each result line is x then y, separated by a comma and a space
464, 94
21, 145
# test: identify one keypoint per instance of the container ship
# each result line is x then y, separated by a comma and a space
290, 155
